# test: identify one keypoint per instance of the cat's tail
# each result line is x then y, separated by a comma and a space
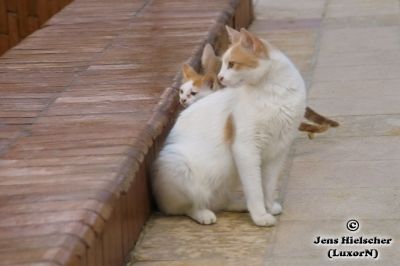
312, 129
313, 116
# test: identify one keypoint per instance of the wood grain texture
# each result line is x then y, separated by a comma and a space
19, 18
84, 110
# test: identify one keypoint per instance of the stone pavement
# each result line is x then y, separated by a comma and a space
348, 52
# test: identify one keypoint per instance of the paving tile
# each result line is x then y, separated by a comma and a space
338, 8
285, 9
359, 106
348, 149
355, 89
342, 174
359, 39
360, 72
361, 21
365, 58
234, 236
341, 203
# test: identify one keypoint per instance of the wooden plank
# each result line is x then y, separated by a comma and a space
4, 43
3, 17
91, 254
22, 13
53, 7
12, 5
13, 29
32, 8
64, 3
112, 238
93, 135
33, 24
99, 252
42, 11
77, 229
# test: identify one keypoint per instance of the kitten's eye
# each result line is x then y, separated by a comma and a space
230, 65
180, 91
193, 93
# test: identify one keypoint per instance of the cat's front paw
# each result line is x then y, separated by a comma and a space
203, 216
276, 208
264, 219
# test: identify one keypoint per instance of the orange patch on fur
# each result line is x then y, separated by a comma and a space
190, 74
229, 129
242, 58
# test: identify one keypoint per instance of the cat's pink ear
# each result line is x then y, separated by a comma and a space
188, 72
234, 35
253, 43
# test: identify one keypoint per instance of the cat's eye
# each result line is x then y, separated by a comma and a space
193, 93
180, 91
230, 65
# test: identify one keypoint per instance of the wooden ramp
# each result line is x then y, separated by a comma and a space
83, 110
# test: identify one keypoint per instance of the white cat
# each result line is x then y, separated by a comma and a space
236, 133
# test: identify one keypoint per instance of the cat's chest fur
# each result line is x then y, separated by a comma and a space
269, 116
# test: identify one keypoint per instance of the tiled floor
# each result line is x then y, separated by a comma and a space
348, 52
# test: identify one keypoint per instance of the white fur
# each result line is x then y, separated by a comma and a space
197, 170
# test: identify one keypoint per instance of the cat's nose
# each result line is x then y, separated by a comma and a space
220, 78
183, 101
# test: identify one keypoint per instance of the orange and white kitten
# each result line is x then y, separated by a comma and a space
242, 133
196, 85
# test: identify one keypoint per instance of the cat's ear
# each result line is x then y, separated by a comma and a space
234, 35
209, 81
188, 72
253, 43
207, 56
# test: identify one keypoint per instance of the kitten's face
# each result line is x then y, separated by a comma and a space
195, 86
245, 61
188, 93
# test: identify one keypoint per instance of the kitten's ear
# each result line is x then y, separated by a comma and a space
209, 81
253, 43
188, 72
234, 35
207, 56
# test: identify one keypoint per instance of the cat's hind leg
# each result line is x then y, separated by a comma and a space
202, 215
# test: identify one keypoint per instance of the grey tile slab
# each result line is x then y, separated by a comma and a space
341, 203
356, 106
344, 174
286, 9
354, 73
339, 8
359, 39
360, 58
348, 149
355, 89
